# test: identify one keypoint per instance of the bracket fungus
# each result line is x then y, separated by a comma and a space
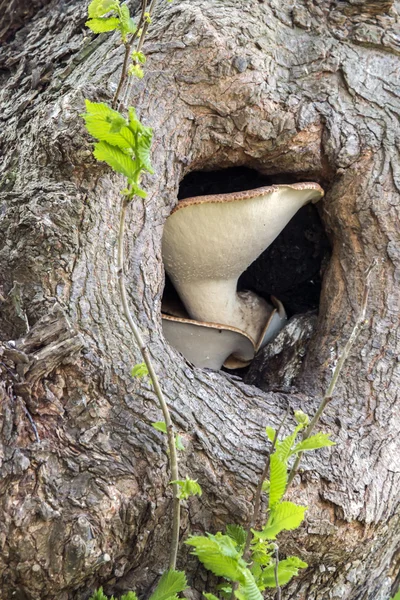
208, 242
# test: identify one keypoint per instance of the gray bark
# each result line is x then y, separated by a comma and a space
309, 90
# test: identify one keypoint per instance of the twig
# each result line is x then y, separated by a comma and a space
278, 595
157, 388
128, 49
337, 370
140, 44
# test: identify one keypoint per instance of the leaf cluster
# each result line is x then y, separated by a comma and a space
124, 144
170, 585
225, 554
110, 15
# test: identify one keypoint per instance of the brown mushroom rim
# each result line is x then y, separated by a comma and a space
208, 325
246, 195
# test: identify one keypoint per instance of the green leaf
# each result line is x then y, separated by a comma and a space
271, 433
170, 584
108, 125
284, 447
219, 555
127, 24
287, 569
301, 418
261, 553
249, 589
140, 370
136, 190
319, 440
397, 596
278, 474
98, 595
238, 535
103, 24
136, 70
160, 426
210, 596
285, 516
98, 8
139, 57
266, 486
116, 159
178, 443
129, 596
188, 487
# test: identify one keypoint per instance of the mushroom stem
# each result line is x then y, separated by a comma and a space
216, 301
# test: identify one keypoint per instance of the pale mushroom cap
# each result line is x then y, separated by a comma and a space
206, 344
220, 236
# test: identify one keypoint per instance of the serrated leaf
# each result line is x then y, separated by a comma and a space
188, 487
103, 24
129, 596
210, 596
170, 584
278, 481
140, 370
287, 569
139, 57
108, 125
238, 535
160, 426
265, 486
270, 431
116, 159
98, 595
178, 443
283, 517
314, 442
284, 447
261, 553
219, 555
127, 24
249, 589
98, 8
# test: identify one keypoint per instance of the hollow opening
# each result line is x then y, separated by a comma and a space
291, 268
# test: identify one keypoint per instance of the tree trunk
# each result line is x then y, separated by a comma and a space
309, 92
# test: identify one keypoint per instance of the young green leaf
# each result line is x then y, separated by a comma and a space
129, 596
108, 125
261, 553
238, 534
102, 24
116, 159
136, 71
188, 487
140, 370
284, 516
138, 57
278, 474
170, 584
271, 433
319, 440
98, 595
98, 8
287, 569
301, 418
178, 443
219, 555
397, 596
249, 589
127, 24
209, 596
284, 447
160, 426
266, 486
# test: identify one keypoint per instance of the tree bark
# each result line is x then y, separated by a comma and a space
308, 91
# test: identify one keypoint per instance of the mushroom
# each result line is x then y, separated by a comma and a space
207, 344
209, 241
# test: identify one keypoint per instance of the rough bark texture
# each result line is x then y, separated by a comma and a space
308, 91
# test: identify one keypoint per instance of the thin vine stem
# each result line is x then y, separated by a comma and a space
337, 371
278, 595
128, 49
156, 385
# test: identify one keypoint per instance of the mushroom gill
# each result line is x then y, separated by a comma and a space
209, 241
